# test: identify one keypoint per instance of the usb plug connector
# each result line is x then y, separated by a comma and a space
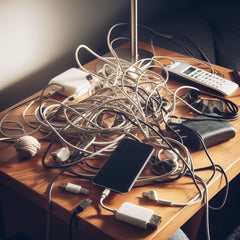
73, 188
83, 205
154, 221
138, 216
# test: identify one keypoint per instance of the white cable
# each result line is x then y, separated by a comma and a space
119, 85
121, 99
105, 193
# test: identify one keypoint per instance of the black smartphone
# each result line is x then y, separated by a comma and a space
123, 166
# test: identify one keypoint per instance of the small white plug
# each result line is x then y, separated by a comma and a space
152, 195
172, 159
61, 155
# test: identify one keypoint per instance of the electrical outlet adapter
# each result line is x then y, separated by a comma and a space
72, 82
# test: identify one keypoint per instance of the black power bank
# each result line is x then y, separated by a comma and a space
212, 132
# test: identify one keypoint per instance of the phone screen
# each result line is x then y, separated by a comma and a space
124, 165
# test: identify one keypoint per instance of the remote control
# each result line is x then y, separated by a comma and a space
191, 73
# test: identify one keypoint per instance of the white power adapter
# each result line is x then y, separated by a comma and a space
138, 216
72, 82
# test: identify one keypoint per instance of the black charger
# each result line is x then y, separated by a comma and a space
216, 107
211, 131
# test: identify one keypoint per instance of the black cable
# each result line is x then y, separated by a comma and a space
167, 36
143, 122
151, 99
49, 204
169, 145
233, 113
58, 166
196, 46
81, 207
219, 168
176, 39
213, 166
168, 127
205, 149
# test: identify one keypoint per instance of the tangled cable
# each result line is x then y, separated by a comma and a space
130, 100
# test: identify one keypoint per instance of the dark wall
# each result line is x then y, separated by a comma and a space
38, 39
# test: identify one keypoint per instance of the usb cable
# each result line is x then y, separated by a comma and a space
133, 214
81, 207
